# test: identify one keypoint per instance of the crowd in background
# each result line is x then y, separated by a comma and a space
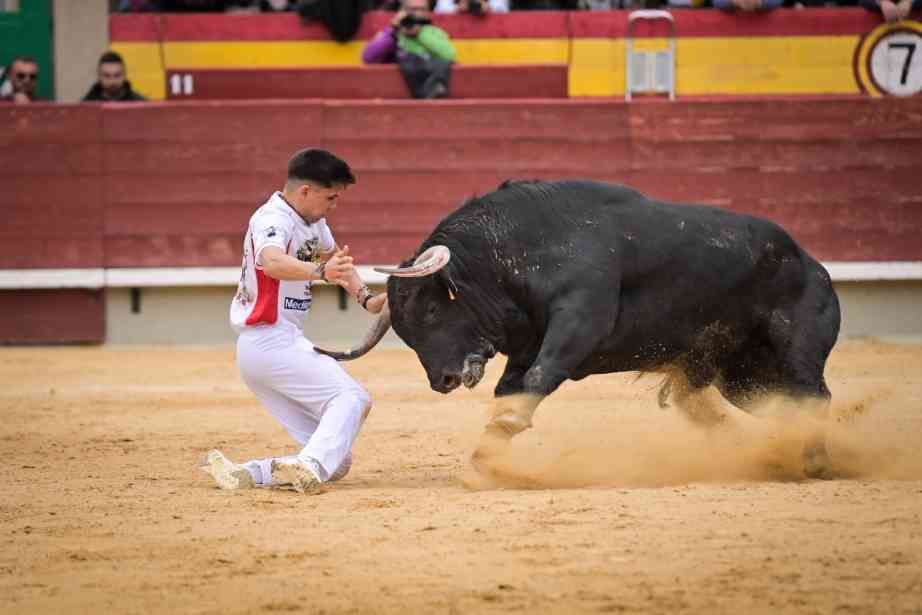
19, 81
890, 9
423, 51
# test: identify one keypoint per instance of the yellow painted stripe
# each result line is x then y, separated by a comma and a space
718, 65
261, 54
145, 68
513, 51
706, 65
297, 54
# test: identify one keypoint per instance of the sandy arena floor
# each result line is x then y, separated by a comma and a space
631, 509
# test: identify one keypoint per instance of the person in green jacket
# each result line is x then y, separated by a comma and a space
423, 51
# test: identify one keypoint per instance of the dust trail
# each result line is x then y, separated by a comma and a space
870, 434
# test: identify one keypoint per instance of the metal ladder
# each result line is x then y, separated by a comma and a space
650, 71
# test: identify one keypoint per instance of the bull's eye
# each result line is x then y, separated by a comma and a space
431, 311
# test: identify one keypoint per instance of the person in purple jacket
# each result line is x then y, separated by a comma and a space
423, 52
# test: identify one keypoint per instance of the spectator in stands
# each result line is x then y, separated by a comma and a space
111, 84
20, 81
423, 51
747, 5
893, 11
474, 7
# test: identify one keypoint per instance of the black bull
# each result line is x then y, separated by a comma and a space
575, 278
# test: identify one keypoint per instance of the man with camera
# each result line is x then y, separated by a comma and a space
423, 52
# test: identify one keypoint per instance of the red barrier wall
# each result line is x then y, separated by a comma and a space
52, 316
51, 172
174, 184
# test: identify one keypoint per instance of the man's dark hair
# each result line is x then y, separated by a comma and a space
111, 57
319, 166
23, 59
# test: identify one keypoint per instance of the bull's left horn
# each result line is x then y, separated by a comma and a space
425, 264
374, 335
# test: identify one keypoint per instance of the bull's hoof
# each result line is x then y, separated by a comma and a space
817, 463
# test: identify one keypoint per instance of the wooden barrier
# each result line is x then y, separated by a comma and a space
172, 185
362, 82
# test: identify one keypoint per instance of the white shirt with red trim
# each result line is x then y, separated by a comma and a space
264, 301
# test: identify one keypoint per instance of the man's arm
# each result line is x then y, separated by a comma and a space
436, 41
336, 269
381, 49
357, 288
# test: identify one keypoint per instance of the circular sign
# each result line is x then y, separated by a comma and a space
888, 61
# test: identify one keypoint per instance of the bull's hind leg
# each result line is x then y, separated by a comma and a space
757, 377
805, 338
697, 402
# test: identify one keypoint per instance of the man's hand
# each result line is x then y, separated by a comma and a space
339, 268
377, 302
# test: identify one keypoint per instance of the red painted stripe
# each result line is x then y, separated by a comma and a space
781, 22
134, 28
261, 27
371, 82
290, 27
527, 24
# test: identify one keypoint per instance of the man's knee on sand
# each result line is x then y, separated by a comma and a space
362, 399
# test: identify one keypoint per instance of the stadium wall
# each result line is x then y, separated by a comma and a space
102, 199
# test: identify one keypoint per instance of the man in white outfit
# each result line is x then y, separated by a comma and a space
288, 245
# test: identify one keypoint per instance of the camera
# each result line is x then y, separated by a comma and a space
475, 7
410, 21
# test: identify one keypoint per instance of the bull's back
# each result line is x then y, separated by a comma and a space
680, 271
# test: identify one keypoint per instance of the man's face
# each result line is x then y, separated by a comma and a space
111, 77
417, 8
24, 76
315, 201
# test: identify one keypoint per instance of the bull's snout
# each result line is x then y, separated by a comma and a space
447, 383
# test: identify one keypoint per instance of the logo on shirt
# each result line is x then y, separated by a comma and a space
301, 305
271, 232
308, 250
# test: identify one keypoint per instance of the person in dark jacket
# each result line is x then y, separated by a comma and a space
111, 84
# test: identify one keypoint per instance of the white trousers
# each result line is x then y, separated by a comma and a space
310, 394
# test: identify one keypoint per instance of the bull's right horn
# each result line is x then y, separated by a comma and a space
425, 264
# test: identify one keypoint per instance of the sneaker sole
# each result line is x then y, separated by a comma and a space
225, 474
295, 476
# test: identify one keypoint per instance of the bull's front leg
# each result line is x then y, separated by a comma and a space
571, 335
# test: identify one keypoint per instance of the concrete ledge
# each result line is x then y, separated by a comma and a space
52, 278
148, 277
154, 277
874, 271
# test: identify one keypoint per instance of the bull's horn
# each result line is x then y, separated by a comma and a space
425, 264
374, 335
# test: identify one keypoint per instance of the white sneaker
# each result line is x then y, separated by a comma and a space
226, 473
297, 474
